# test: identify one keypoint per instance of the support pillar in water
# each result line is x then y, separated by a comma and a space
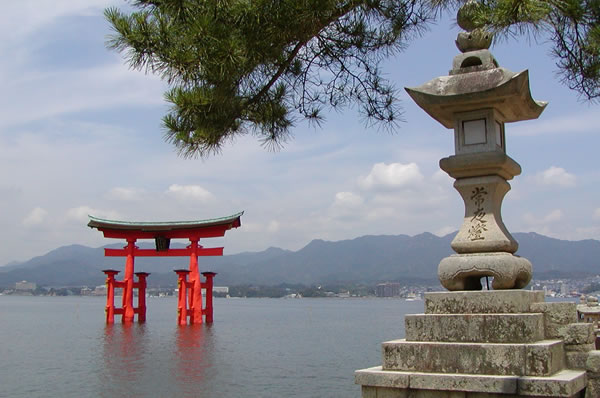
208, 285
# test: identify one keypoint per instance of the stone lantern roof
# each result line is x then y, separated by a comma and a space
476, 80
505, 91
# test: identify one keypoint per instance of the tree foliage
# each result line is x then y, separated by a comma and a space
258, 66
572, 26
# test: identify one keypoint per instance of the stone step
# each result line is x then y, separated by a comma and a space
473, 328
482, 302
565, 383
541, 358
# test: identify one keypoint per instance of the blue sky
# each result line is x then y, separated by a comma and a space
80, 134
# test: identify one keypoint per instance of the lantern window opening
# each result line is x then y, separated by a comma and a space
480, 130
474, 132
499, 134
471, 61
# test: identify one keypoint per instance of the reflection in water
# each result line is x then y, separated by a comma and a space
194, 358
124, 348
138, 362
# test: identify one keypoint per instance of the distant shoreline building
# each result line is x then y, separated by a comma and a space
24, 285
388, 289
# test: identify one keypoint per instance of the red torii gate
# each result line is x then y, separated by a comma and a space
162, 233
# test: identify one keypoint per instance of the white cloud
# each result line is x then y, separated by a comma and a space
445, 230
122, 193
552, 217
582, 122
80, 213
35, 95
556, 176
392, 176
596, 214
35, 217
348, 199
190, 192
20, 18
273, 226
441, 177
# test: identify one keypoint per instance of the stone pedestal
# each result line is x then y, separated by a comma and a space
488, 344
483, 245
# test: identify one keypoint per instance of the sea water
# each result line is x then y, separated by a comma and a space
61, 347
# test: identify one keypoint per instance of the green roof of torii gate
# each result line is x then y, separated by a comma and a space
151, 226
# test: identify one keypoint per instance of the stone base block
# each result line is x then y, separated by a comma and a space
593, 362
377, 383
464, 271
483, 302
565, 383
377, 377
537, 359
472, 328
576, 359
593, 389
577, 333
556, 317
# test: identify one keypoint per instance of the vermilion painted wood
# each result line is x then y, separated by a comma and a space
128, 281
110, 295
182, 286
208, 310
141, 286
202, 251
195, 298
197, 233
189, 303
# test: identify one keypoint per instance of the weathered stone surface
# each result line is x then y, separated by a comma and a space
577, 333
386, 392
565, 383
593, 362
485, 328
464, 271
556, 317
542, 358
490, 395
559, 313
482, 197
499, 88
480, 164
593, 389
368, 392
464, 382
376, 377
580, 347
436, 394
473, 369
483, 302
576, 360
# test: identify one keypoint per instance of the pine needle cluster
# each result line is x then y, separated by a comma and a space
241, 66
259, 66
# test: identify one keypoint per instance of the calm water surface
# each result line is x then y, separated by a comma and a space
60, 346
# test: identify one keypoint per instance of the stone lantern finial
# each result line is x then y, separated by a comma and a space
476, 37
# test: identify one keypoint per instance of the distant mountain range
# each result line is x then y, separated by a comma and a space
367, 259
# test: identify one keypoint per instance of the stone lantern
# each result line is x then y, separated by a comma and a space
477, 99
493, 343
